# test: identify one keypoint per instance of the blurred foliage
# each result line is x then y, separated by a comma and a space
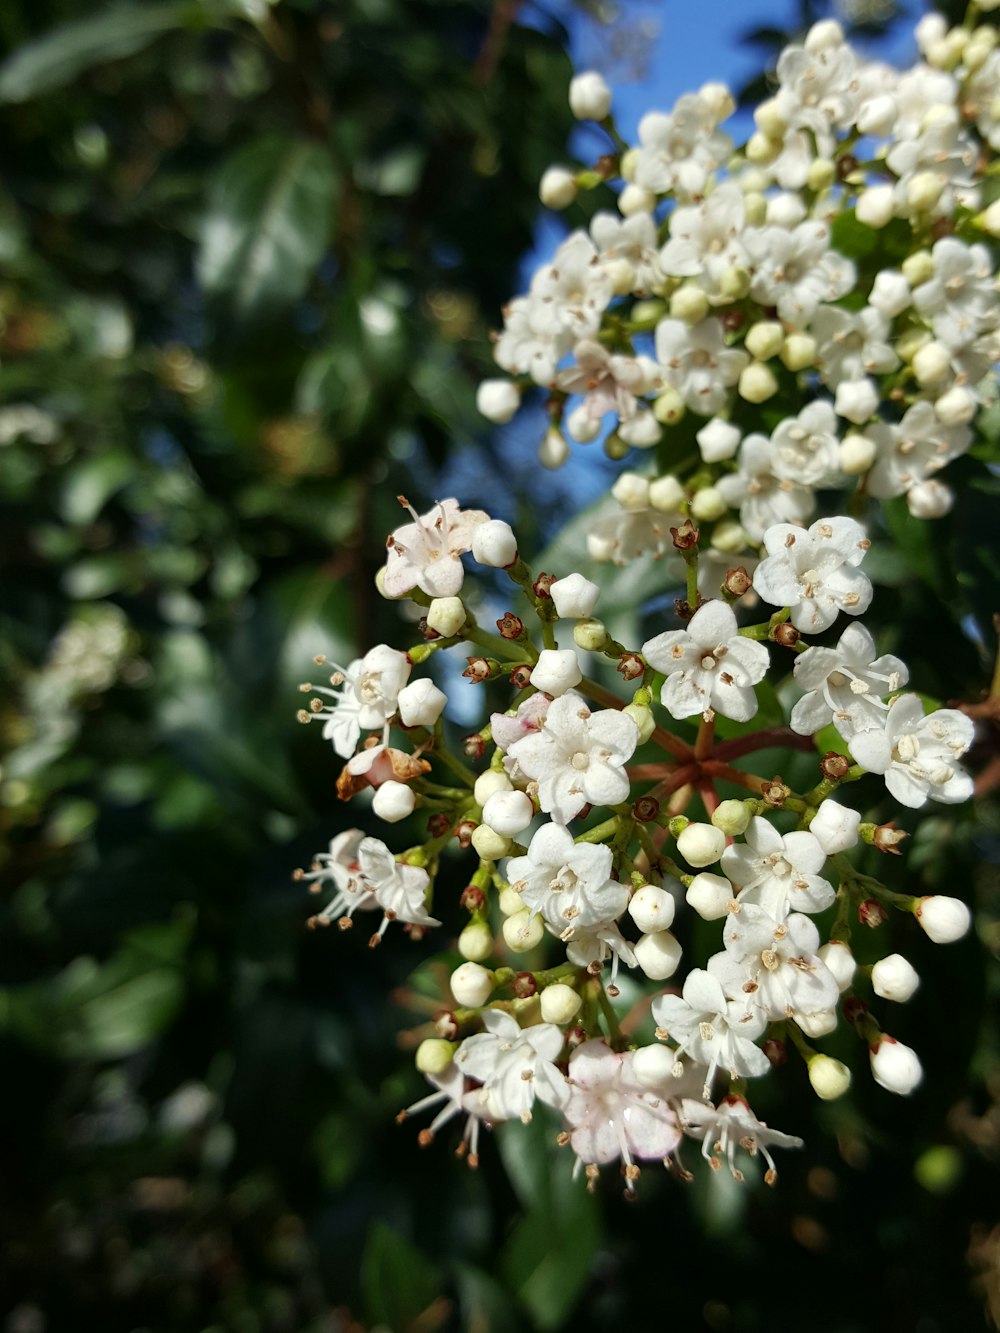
250, 254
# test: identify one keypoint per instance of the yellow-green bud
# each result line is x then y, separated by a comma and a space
489, 844
731, 817
728, 537
830, 1078
798, 351
668, 407
765, 339
523, 931
590, 635
918, 267
434, 1055
708, 504
821, 175
643, 719
689, 303
476, 942
757, 382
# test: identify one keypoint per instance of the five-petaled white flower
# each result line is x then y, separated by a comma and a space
427, 553
400, 890
728, 1126
709, 665
569, 883
577, 757
918, 755
711, 1029
514, 1065
814, 572
780, 874
364, 697
845, 685
772, 966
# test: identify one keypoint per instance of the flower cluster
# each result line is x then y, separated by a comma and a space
816, 309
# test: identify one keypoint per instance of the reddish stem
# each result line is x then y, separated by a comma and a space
727, 773
763, 740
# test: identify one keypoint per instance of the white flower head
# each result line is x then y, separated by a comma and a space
731, 1125
400, 890
365, 696
918, 755
427, 553
815, 572
339, 865
845, 685
712, 1030
569, 883
577, 757
708, 665
611, 1115
514, 1065
780, 874
773, 966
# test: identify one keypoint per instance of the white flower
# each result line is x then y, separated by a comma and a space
577, 758
340, 866
918, 755
814, 572
400, 890
628, 249
611, 1115
852, 344
920, 445
427, 553
367, 698
773, 966
610, 382
708, 665
762, 496
556, 671
731, 1125
569, 883
526, 721
514, 1065
779, 874
697, 363
960, 300
458, 1096
570, 294
710, 1029
804, 448
845, 684
574, 596
796, 270
705, 241
680, 151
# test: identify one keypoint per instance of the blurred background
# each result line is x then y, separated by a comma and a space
250, 255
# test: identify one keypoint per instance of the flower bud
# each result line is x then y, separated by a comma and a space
943, 920
821, 175
798, 352
856, 454
508, 812
839, 960
447, 615
731, 817
575, 597
769, 120
582, 425
494, 544
631, 491
932, 364
643, 718
957, 406
990, 219
559, 1004
668, 407
765, 339
689, 303
510, 902
471, 985
895, 1067
894, 978
420, 703
856, 400
434, 1055
728, 538
393, 801
556, 671
757, 382
708, 504
876, 206
557, 188
493, 780
498, 400
718, 99
918, 267
835, 827
826, 35
819, 1024
523, 930
701, 844
489, 845
553, 451
666, 494
589, 96
710, 896
634, 199
735, 283
476, 941
718, 440
929, 499
658, 955
653, 1066
590, 635
830, 1078
651, 908
923, 191
890, 294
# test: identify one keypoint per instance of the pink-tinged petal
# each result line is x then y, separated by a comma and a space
713, 623
593, 1063
400, 574
651, 1132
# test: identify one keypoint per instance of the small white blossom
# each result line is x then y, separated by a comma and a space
569, 883
729, 1126
368, 694
514, 1065
845, 685
697, 363
917, 755
708, 665
778, 873
711, 1029
773, 966
815, 572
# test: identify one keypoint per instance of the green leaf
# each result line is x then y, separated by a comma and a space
399, 1284
57, 58
268, 223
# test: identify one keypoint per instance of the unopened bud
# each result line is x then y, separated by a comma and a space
830, 1078
710, 896
488, 844
818, 1024
835, 827
523, 930
668, 406
574, 596
393, 801
434, 1055
494, 544
589, 96
556, 671
666, 494
757, 382
557, 188
643, 718
590, 635
560, 1004
553, 451
498, 400
731, 817
476, 942
839, 960
895, 1067
689, 303
701, 844
447, 615
708, 504
894, 978
798, 352
508, 812
471, 985
943, 919
651, 908
658, 955
764, 339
